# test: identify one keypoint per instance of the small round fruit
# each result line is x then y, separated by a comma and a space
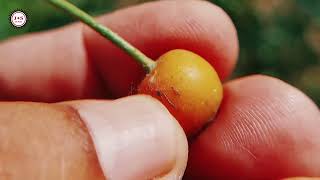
187, 85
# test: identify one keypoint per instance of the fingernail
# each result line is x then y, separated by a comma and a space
134, 137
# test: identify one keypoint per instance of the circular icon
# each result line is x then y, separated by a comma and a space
18, 18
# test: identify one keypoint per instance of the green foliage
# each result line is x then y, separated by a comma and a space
280, 38
43, 16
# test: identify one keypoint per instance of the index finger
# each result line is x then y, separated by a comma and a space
74, 60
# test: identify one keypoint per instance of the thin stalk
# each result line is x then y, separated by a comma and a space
147, 63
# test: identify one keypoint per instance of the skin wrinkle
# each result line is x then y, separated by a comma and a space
262, 118
79, 132
273, 105
252, 128
237, 142
286, 114
254, 157
82, 133
242, 128
245, 126
72, 134
263, 126
192, 25
262, 123
48, 138
238, 138
225, 143
265, 137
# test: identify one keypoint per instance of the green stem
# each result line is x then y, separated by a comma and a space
147, 63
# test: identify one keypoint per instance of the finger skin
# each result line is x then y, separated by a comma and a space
265, 129
48, 67
197, 26
43, 141
149, 128
68, 63
91, 139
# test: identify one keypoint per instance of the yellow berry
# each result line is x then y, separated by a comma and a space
187, 85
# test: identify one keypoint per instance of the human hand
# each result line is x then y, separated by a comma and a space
265, 128
91, 139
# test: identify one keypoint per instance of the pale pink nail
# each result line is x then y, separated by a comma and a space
134, 137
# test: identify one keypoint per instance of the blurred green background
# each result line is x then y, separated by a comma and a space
280, 38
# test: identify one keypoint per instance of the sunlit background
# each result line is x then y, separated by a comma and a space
280, 38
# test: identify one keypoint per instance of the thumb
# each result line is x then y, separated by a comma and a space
129, 138
135, 138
